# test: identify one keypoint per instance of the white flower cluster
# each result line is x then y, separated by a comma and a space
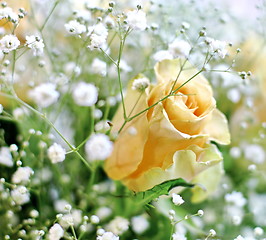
136, 19
56, 153
118, 226
139, 224
107, 236
98, 36
177, 199
73, 27
6, 157
98, 147
44, 95
140, 84
56, 232
99, 67
85, 94
20, 195
36, 44
9, 14
217, 47
22, 175
9, 43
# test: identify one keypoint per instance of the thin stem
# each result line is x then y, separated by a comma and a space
49, 15
73, 232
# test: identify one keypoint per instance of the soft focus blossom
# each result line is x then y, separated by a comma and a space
56, 232
118, 226
140, 83
44, 95
178, 236
139, 224
177, 199
162, 55
20, 195
6, 157
98, 147
56, 153
235, 198
36, 44
22, 175
179, 48
85, 94
108, 236
74, 27
98, 67
136, 19
9, 43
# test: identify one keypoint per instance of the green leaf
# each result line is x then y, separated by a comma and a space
161, 189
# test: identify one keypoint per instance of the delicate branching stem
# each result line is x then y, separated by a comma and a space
17, 99
49, 15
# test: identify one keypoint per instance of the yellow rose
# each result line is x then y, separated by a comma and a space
172, 139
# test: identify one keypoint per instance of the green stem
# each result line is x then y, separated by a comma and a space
49, 15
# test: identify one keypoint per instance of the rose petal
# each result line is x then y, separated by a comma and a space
129, 145
186, 164
208, 180
217, 128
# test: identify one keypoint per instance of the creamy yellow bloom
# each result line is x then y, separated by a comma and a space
172, 139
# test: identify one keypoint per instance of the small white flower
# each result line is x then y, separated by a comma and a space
235, 198
239, 237
118, 226
56, 153
179, 48
22, 175
85, 94
20, 195
179, 236
255, 153
107, 236
98, 147
212, 233
162, 55
6, 157
177, 199
98, 67
74, 27
104, 212
136, 19
98, 36
140, 83
258, 231
1, 106
55, 232
216, 46
8, 13
139, 224
44, 95
9, 43
36, 44
94, 219
200, 213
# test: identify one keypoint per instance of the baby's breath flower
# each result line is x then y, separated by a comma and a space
94, 219
22, 175
98, 67
178, 236
85, 94
239, 237
98, 36
74, 27
6, 157
56, 153
177, 199
216, 46
136, 19
20, 195
139, 224
107, 236
255, 153
36, 44
118, 226
200, 213
162, 55
9, 14
140, 84
44, 95
179, 48
98, 147
9, 43
235, 198
56, 232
